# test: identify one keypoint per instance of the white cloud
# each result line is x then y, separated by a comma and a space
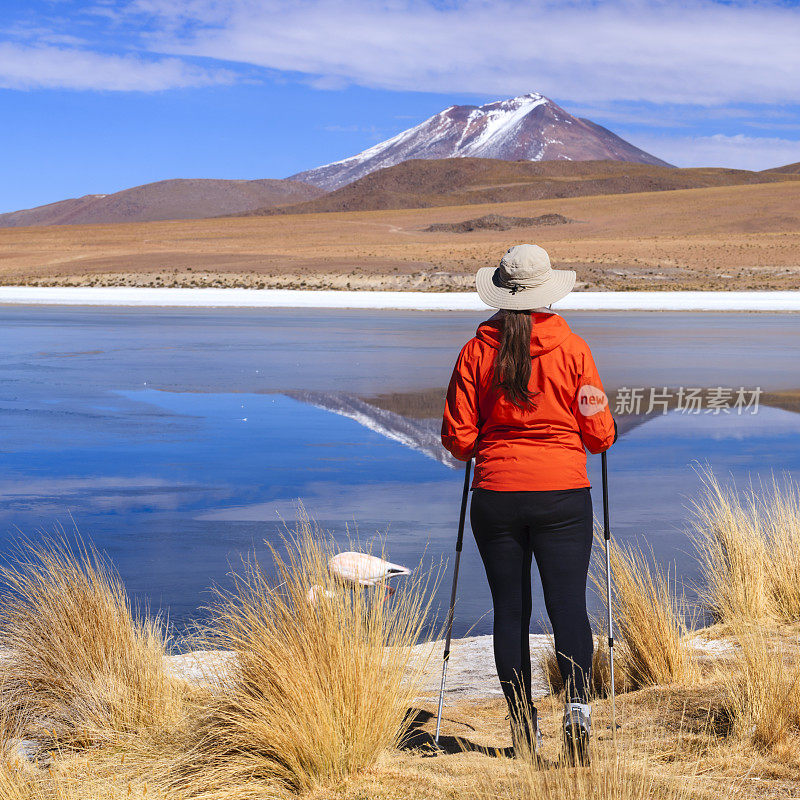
50, 67
680, 116
700, 52
739, 152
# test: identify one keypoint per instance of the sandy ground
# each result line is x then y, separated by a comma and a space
741, 237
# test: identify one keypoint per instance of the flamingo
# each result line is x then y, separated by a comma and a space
364, 569
358, 569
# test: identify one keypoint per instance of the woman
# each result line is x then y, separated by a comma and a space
525, 400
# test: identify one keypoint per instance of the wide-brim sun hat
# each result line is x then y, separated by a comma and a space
524, 280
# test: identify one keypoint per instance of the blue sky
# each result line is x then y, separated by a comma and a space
101, 95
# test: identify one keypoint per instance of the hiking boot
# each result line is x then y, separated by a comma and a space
526, 736
577, 724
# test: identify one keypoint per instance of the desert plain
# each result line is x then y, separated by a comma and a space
741, 237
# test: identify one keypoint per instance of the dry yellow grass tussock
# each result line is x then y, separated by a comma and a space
749, 549
779, 511
80, 668
649, 623
763, 691
318, 688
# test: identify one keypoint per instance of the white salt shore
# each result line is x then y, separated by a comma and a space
470, 675
404, 301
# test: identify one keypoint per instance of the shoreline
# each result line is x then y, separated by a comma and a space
471, 675
169, 297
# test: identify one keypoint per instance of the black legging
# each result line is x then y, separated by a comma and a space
555, 527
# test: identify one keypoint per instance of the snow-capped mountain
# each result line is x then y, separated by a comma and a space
526, 128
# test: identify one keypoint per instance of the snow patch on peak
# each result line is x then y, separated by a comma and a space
531, 99
501, 123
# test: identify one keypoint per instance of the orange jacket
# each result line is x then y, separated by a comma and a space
540, 447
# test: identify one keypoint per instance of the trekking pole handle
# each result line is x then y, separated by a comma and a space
463, 516
606, 521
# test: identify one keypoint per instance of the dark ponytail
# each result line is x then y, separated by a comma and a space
512, 369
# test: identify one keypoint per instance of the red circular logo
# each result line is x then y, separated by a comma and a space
591, 400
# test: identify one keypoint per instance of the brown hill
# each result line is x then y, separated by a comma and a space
788, 169
425, 183
171, 199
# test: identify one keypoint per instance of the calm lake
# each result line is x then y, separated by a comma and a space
178, 441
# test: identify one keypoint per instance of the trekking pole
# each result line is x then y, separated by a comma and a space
607, 534
459, 544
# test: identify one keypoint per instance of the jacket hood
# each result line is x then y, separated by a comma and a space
548, 331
